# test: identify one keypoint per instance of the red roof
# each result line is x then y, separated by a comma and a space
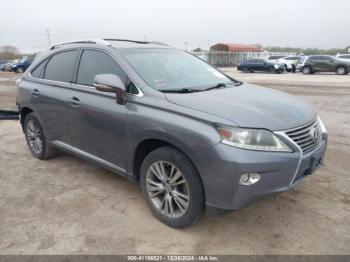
237, 47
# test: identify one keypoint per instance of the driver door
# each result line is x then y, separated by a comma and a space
97, 123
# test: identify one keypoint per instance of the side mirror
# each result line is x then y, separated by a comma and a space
111, 84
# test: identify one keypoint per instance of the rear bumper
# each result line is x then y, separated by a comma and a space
279, 172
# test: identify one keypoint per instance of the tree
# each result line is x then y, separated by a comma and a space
198, 49
9, 49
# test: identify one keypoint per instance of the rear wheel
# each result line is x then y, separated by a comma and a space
271, 70
36, 139
341, 70
307, 70
172, 187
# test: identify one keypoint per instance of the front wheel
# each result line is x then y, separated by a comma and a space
19, 70
172, 187
272, 70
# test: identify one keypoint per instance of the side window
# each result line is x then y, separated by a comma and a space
93, 63
61, 66
38, 72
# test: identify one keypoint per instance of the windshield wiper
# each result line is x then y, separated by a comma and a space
217, 86
181, 90
220, 85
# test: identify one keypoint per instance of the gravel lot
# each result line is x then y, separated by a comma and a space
68, 206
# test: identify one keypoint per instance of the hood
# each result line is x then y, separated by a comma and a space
249, 106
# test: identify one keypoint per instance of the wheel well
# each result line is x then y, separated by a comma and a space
142, 150
346, 69
24, 112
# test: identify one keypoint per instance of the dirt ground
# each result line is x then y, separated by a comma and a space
68, 206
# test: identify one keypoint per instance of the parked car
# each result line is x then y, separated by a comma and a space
274, 58
323, 63
2, 64
8, 65
253, 65
289, 61
21, 65
194, 138
343, 56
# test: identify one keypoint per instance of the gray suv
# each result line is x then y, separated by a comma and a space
192, 137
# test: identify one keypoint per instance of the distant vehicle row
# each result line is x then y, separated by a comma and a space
18, 65
339, 64
324, 63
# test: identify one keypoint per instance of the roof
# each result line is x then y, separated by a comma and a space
237, 47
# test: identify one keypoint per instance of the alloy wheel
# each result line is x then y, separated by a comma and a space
34, 136
341, 71
168, 189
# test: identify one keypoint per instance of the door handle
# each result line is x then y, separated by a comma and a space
75, 102
35, 92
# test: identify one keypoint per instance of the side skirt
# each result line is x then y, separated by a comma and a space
93, 159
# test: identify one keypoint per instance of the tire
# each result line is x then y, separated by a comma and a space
19, 70
35, 137
307, 70
271, 70
341, 70
178, 211
245, 69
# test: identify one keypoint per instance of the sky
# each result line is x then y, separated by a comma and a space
200, 23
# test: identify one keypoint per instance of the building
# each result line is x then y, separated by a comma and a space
222, 54
235, 48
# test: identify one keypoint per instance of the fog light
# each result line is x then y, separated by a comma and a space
249, 179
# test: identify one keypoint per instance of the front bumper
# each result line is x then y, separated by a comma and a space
279, 172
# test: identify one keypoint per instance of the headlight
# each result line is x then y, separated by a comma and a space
322, 126
253, 139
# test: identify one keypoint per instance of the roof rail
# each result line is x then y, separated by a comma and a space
135, 41
91, 41
127, 40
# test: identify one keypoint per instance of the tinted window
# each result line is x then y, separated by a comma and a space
93, 63
320, 58
275, 57
38, 72
292, 58
61, 66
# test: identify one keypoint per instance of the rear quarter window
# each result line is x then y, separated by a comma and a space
38, 72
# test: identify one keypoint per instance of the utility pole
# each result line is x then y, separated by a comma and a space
186, 44
48, 36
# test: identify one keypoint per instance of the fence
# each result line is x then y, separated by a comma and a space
230, 59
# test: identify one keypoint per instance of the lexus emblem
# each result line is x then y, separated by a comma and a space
314, 133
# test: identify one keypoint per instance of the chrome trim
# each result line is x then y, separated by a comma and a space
281, 133
86, 41
303, 132
140, 93
84, 154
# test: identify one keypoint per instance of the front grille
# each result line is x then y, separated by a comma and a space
306, 137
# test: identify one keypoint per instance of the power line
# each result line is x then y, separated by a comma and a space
48, 36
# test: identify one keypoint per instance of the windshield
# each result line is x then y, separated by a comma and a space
168, 69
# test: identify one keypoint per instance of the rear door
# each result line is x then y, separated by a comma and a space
323, 63
97, 123
50, 92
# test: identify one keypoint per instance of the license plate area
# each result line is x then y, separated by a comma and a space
316, 162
